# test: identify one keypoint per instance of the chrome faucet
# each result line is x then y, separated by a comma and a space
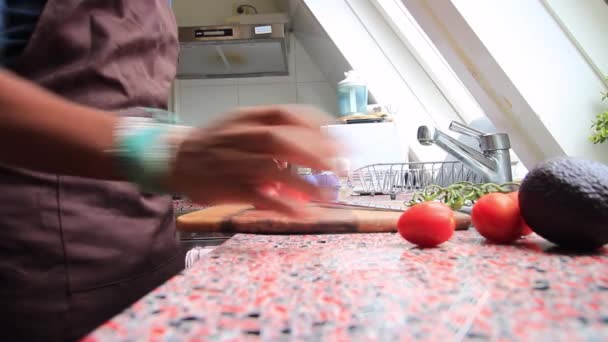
493, 163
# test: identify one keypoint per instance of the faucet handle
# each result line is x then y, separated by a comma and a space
487, 141
466, 130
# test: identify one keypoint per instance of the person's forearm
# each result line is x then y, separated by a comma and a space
43, 132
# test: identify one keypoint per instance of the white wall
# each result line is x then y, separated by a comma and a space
198, 101
587, 21
214, 12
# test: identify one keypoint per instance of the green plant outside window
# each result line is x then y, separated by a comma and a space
599, 126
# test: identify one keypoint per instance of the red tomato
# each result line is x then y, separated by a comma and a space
271, 189
427, 224
496, 217
526, 230
275, 189
293, 194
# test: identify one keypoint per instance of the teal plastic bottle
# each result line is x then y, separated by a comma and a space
352, 95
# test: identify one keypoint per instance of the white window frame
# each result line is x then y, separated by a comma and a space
429, 58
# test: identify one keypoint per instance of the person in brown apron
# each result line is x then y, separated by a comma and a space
75, 250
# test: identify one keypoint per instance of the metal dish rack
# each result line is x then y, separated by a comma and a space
394, 178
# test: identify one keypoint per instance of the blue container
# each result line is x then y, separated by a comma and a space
352, 95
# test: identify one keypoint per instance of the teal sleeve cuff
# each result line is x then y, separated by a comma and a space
145, 157
145, 150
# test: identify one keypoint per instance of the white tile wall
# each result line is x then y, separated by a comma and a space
199, 104
198, 101
321, 94
264, 94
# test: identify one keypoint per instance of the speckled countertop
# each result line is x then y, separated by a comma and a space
375, 287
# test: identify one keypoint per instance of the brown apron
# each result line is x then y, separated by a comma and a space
74, 252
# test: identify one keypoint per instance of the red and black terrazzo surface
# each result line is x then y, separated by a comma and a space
375, 287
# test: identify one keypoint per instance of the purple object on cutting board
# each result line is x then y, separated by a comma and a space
329, 184
310, 179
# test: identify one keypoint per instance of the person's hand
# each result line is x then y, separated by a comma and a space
232, 160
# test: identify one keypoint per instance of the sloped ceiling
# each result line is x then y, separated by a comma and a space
282, 5
315, 40
288, 6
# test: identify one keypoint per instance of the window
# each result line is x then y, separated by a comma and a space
523, 69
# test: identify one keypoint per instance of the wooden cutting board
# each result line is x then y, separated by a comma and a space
316, 220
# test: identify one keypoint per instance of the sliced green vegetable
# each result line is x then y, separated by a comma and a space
459, 194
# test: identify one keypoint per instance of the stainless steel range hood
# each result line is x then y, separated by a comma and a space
233, 51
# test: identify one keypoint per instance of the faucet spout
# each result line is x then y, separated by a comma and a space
464, 153
493, 164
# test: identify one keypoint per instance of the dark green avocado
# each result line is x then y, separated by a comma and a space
565, 200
